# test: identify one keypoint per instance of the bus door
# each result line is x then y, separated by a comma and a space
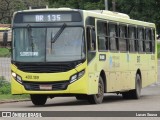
92, 59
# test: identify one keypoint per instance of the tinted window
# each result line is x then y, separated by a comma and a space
113, 37
101, 28
153, 40
141, 40
122, 38
132, 39
148, 42
102, 35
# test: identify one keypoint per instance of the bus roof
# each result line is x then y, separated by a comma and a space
99, 14
118, 17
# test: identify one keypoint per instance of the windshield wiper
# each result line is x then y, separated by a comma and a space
30, 37
53, 39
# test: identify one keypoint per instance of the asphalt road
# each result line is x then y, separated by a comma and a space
149, 101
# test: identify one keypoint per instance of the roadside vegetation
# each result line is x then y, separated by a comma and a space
4, 52
5, 86
158, 50
5, 92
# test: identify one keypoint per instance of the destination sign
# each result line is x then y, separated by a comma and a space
47, 18
38, 17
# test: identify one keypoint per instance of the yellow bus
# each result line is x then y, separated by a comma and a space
70, 52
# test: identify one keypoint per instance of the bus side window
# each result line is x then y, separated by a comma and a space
122, 38
141, 39
132, 39
102, 35
153, 40
113, 37
148, 40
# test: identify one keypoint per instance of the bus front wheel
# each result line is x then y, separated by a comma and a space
97, 98
38, 99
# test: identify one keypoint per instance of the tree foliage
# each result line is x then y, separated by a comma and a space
8, 7
78, 4
145, 10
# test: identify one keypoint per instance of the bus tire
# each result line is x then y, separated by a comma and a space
97, 98
136, 93
38, 99
126, 95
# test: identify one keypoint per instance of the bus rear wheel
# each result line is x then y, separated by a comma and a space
97, 98
38, 99
136, 93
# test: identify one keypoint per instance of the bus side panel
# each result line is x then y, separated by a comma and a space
151, 73
16, 88
143, 61
93, 76
133, 69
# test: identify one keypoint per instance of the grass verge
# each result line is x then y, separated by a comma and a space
5, 92
9, 97
4, 52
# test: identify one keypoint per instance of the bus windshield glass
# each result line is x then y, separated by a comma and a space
57, 44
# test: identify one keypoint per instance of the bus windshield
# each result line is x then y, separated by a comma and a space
54, 44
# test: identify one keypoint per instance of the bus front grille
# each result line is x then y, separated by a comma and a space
35, 86
45, 68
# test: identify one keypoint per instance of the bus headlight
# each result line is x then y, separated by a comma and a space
17, 77
80, 74
73, 78
14, 74
77, 76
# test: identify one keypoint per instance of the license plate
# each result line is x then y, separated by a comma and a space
45, 87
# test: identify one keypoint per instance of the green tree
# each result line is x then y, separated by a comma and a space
145, 10
8, 7
77, 4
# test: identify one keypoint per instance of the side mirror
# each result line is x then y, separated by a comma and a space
91, 39
5, 38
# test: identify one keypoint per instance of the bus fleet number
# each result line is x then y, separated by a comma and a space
32, 77
138, 59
